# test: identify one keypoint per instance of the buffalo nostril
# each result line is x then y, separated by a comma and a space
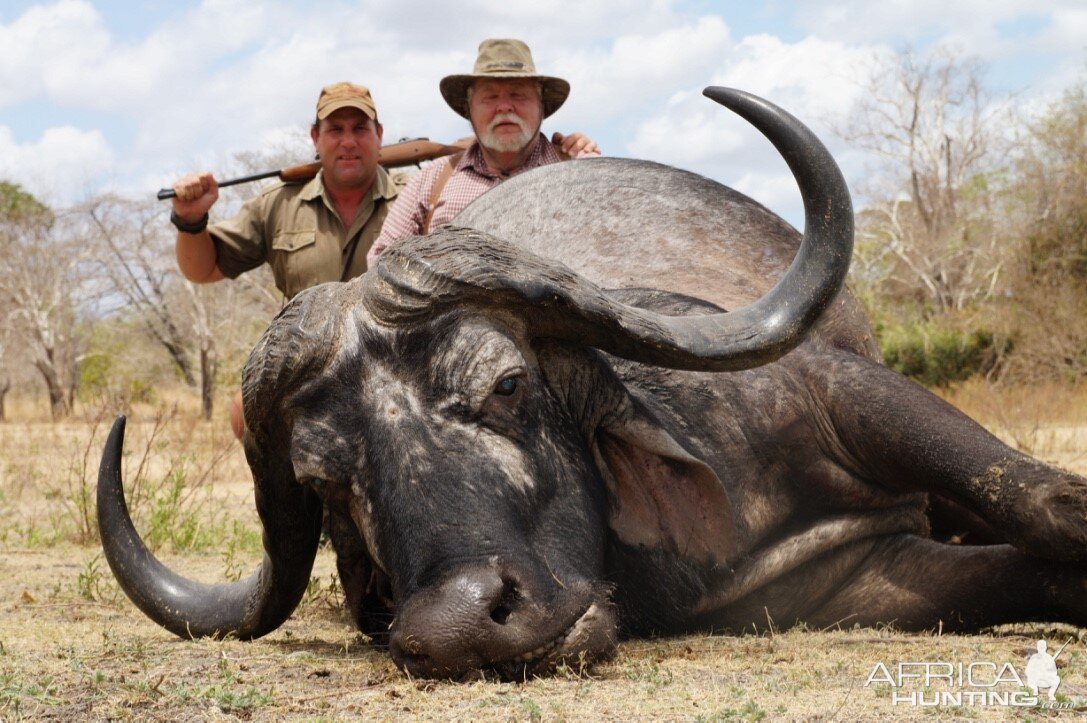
501, 612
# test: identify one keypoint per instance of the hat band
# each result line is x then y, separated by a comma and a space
500, 66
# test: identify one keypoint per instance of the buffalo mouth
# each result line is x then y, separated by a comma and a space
507, 638
589, 639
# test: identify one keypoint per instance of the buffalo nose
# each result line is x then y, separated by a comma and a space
474, 617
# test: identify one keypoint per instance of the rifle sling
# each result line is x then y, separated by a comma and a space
439, 185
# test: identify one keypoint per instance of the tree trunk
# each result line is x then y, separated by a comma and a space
181, 359
5, 387
73, 384
207, 380
58, 403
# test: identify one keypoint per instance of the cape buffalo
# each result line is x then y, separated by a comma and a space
590, 410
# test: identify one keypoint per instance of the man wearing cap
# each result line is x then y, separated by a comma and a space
506, 101
308, 232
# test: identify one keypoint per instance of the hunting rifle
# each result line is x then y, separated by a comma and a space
404, 153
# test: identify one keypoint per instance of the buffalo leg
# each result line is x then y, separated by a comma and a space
363, 585
893, 432
918, 584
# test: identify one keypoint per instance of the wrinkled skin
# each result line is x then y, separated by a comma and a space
520, 465
438, 441
821, 520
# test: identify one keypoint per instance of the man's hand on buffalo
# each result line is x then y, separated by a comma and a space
575, 145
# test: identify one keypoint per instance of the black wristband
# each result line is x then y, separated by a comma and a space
188, 227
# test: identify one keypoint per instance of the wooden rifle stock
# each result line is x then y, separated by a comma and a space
404, 153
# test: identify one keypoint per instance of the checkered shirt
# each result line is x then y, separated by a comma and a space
470, 179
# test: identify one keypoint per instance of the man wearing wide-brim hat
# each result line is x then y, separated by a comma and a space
506, 101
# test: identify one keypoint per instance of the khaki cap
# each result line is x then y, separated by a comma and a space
345, 95
503, 59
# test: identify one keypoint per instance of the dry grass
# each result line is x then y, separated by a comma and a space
72, 647
1049, 422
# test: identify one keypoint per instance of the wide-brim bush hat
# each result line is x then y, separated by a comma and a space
503, 58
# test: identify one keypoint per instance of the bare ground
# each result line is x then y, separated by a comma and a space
73, 647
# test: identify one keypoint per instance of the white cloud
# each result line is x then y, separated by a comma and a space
45, 45
65, 163
1066, 35
641, 70
815, 80
547, 26
64, 52
1068, 30
223, 76
864, 21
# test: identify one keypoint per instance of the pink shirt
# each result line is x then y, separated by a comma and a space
470, 179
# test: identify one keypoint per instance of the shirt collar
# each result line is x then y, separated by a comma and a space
543, 153
313, 188
383, 187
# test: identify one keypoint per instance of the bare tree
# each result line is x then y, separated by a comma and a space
39, 276
927, 230
195, 324
135, 247
226, 320
206, 330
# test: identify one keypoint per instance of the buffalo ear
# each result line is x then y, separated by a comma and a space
661, 495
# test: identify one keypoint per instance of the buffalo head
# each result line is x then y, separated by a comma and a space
458, 413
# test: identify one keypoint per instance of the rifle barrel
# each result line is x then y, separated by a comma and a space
165, 193
395, 155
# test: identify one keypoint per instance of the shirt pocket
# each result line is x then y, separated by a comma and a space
289, 241
295, 261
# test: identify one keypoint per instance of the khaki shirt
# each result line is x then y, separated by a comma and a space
295, 229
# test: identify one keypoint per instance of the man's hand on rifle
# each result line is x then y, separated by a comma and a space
196, 194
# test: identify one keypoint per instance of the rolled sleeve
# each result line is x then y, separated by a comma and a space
240, 242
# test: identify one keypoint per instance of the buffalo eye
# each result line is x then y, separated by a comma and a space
506, 387
317, 484
502, 408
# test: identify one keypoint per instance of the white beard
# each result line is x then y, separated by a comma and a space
517, 143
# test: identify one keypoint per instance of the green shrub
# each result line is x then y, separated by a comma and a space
103, 379
937, 355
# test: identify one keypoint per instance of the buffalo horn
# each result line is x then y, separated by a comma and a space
291, 514
455, 266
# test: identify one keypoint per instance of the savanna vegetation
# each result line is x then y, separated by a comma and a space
971, 259
971, 252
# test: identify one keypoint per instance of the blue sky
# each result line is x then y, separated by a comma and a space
124, 96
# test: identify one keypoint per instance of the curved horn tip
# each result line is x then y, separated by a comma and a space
723, 95
755, 109
111, 453
711, 90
